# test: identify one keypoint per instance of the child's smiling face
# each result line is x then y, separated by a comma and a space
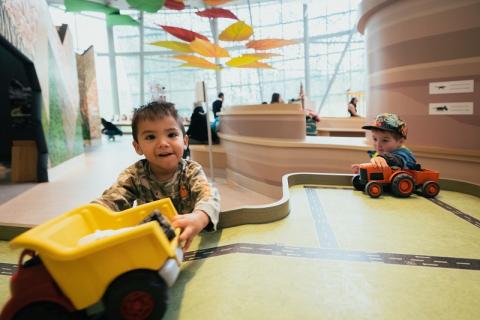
162, 142
385, 141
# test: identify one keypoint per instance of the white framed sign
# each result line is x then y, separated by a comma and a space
449, 108
445, 87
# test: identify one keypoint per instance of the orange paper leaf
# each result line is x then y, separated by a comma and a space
208, 49
215, 3
269, 44
238, 31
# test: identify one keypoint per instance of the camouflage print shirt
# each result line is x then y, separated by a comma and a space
188, 189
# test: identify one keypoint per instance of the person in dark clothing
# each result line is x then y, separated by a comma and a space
217, 105
276, 98
197, 130
110, 130
352, 107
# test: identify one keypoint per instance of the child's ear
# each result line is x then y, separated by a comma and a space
137, 148
185, 140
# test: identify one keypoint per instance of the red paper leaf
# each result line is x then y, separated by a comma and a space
174, 5
183, 34
216, 13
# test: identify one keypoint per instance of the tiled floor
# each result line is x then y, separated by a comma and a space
83, 178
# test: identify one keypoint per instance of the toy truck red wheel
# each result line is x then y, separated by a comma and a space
430, 189
403, 185
374, 189
136, 295
357, 183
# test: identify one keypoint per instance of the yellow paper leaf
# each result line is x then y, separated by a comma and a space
190, 59
216, 2
201, 66
238, 31
262, 55
269, 43
208, 49
174, 45
196, 62
257, 65
242, 60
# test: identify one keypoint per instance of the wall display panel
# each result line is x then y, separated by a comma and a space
28, 27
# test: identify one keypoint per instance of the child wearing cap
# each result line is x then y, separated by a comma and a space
388, 135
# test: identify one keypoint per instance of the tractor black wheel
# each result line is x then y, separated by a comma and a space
45, 310
430, 189
136, 295
374, 189
357, 184
403, 185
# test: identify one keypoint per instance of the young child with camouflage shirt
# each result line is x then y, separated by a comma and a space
159, 135
389, 132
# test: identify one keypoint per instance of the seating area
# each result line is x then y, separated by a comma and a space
341, 127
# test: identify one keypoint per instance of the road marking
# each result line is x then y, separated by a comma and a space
462, 215
325, 234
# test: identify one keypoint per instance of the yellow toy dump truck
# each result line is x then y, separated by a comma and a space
92, 260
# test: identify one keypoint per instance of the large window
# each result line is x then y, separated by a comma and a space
336, 60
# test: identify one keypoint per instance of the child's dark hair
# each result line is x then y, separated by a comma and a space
152, 111
397, 136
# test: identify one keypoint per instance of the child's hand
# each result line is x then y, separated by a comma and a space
191, 225
379, 162
355, 168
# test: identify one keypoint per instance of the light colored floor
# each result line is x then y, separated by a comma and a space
339, 254
83, 178
275, 274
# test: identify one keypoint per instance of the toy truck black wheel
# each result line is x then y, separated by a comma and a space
357, 184
403, 185
374, 189
430, 189
139, 295
45, 310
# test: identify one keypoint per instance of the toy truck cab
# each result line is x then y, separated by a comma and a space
402, 182
126, 273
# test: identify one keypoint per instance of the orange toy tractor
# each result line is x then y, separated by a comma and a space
402, 182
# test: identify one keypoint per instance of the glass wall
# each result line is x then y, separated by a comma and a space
329, 23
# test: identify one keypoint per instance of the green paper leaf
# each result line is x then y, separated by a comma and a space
84, 5
151, 6
121, 20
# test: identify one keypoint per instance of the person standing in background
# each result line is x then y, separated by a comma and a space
352, 107
217, 105
276, 98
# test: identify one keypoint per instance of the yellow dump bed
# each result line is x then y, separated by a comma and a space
84, 271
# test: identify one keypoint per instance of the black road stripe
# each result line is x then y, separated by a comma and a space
325, 234
318, 254
455, 211
335, 254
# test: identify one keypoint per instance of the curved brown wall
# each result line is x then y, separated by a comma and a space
413, 43
286, 121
